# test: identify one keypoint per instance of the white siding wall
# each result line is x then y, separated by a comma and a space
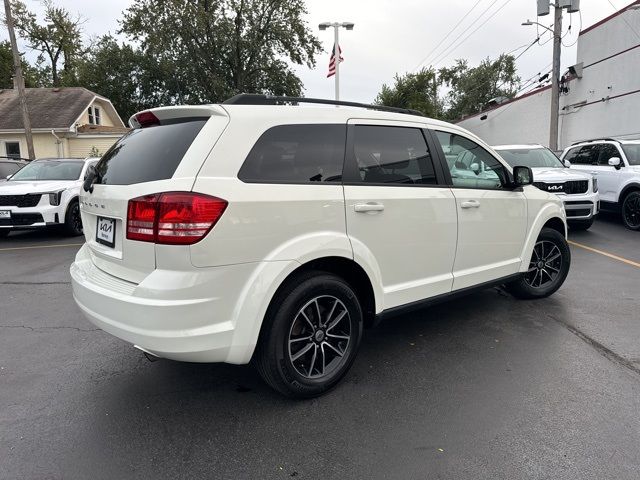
81, 147
527, 120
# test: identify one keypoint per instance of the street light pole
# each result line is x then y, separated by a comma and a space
336, 47
17, 65
555, 82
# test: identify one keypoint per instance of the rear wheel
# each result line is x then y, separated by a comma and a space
548, 267
580, 224
631, 211
73, 220
311, 335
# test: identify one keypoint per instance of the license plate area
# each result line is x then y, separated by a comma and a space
5, 214
106, 231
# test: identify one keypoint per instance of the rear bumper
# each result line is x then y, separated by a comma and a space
186, 316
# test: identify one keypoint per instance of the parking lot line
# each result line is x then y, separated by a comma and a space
62, 245
606, 254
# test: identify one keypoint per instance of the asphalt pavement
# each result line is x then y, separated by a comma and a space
484, 387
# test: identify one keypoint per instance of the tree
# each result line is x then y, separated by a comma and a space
418, 91
124, 75
473, 88
58, 39
32, 76
209, 50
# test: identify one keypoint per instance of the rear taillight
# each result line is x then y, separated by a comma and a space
173, 218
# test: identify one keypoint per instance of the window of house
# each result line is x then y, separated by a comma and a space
392, 155
471, 166
12, 149
297, 154
94, 115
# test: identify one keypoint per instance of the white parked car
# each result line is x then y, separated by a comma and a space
248, 230
44, 193
578, 190
616, 165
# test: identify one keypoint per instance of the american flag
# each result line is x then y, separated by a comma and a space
332, 61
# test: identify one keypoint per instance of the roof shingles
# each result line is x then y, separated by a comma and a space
56, 108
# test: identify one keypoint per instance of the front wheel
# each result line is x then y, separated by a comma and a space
631, 211
73, 220
311, 335
548, 267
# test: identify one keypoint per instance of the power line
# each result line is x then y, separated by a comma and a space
447, 35
478, 18
625, 20
456, 46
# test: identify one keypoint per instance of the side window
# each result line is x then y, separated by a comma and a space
608, 151
8, 169
471, 165
392, 155
587, 155
572, 154
297, 154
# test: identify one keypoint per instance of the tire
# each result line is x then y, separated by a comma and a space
4, 233
631, 210
549, 267
577, 225
322, 358
73, 220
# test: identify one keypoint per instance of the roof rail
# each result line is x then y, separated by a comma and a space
259, 99
596, 140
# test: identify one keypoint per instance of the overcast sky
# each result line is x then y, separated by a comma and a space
396, 35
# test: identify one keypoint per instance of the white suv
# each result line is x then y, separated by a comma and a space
255, 230
616, 165
578, 190
44, 193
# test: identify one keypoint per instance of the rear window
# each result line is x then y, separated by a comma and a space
148, 154
297, 154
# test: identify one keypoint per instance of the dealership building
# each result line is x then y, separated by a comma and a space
600, 95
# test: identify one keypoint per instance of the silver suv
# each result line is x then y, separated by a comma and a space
616, 165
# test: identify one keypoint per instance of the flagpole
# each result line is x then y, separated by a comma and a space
336, 55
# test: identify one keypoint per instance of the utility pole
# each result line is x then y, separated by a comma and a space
17, 65
336, 47
555, 80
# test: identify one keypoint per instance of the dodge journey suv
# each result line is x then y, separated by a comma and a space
263, 230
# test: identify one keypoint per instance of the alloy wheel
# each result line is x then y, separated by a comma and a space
545, 265
631, 210
319, 337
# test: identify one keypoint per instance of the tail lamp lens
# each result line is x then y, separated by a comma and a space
173, 218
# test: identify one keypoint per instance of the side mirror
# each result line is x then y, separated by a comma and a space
615, 162
522, 176
567, 163
9, 177
474, 167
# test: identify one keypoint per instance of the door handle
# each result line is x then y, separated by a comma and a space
470, 204
368, 207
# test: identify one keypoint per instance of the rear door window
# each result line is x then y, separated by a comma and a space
391, 155
148, 154
297, 154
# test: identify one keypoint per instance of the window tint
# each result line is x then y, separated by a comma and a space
147, 154
471, 165
606, 152
8, 169
297, 154
392, 155
587, 155
632, 150
531, 157
572, 154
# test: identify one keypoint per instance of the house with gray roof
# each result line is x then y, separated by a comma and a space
65, 121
